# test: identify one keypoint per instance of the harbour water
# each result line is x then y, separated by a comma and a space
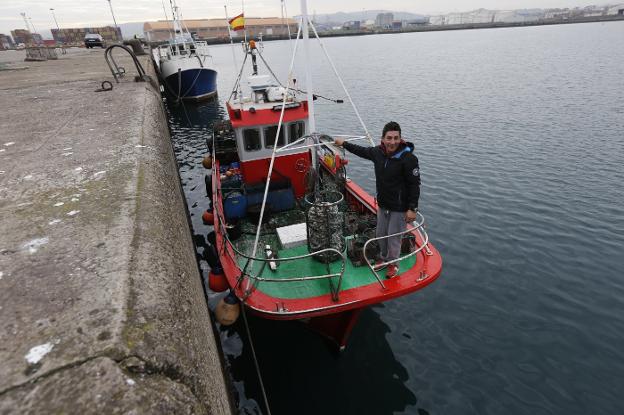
520, 138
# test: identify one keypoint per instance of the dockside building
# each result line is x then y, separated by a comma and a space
218, 28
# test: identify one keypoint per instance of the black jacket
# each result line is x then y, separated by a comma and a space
397, 176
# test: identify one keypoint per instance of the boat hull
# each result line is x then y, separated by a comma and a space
193, 84
336, 327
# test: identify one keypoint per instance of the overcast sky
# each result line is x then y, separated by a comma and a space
85, 13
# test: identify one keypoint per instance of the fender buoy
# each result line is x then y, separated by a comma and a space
227, 310
207, 162
208, 218
217, 281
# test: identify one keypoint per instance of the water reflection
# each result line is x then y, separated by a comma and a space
196, 115
298, 364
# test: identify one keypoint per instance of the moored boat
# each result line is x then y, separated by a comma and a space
185, 64
294, 235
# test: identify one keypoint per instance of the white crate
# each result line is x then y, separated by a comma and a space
293, 235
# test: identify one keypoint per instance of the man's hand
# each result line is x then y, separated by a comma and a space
339, 142
410, 215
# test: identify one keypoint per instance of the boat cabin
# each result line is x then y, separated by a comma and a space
249, 137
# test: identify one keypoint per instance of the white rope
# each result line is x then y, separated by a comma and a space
279, 127
237, 86
357, 113
253, 353
291, 146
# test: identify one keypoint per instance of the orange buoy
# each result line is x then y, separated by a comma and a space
208, 218
227, 310
217, 281
207, 162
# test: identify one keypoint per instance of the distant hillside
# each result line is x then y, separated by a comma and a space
341, 17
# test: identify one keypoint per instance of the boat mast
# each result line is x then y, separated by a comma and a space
166, 18
306, 49
309, 96
177, 27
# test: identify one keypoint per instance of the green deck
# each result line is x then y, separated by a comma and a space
353, 276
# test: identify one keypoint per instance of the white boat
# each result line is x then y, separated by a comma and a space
185, 65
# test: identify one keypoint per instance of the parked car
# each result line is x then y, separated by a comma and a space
94, 39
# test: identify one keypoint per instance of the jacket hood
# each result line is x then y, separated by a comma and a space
404, 147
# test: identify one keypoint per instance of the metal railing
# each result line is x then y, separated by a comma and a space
335, 290
188, 48
416, 226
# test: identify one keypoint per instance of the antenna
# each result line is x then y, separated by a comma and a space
25, 21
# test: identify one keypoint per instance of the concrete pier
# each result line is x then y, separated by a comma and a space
101, 303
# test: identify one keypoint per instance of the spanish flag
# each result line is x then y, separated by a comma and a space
237, 22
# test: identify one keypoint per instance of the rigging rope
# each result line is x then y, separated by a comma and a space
167, 18
269, 68
357, 113
275, 144
237, 83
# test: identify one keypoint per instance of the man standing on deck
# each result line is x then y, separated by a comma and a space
397, 178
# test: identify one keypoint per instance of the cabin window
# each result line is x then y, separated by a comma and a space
296, 130
251, 139
269, 136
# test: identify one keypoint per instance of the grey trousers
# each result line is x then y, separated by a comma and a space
389, 222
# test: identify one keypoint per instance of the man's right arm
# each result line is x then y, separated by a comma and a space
364, 152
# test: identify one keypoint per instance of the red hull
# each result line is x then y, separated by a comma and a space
336, 327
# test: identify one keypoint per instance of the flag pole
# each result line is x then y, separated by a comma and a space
245, 27
227, 23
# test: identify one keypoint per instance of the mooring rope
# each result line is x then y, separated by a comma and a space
255, 359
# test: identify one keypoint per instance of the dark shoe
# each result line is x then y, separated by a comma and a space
392, 271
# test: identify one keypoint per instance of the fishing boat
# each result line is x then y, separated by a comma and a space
185, 65
294, 235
